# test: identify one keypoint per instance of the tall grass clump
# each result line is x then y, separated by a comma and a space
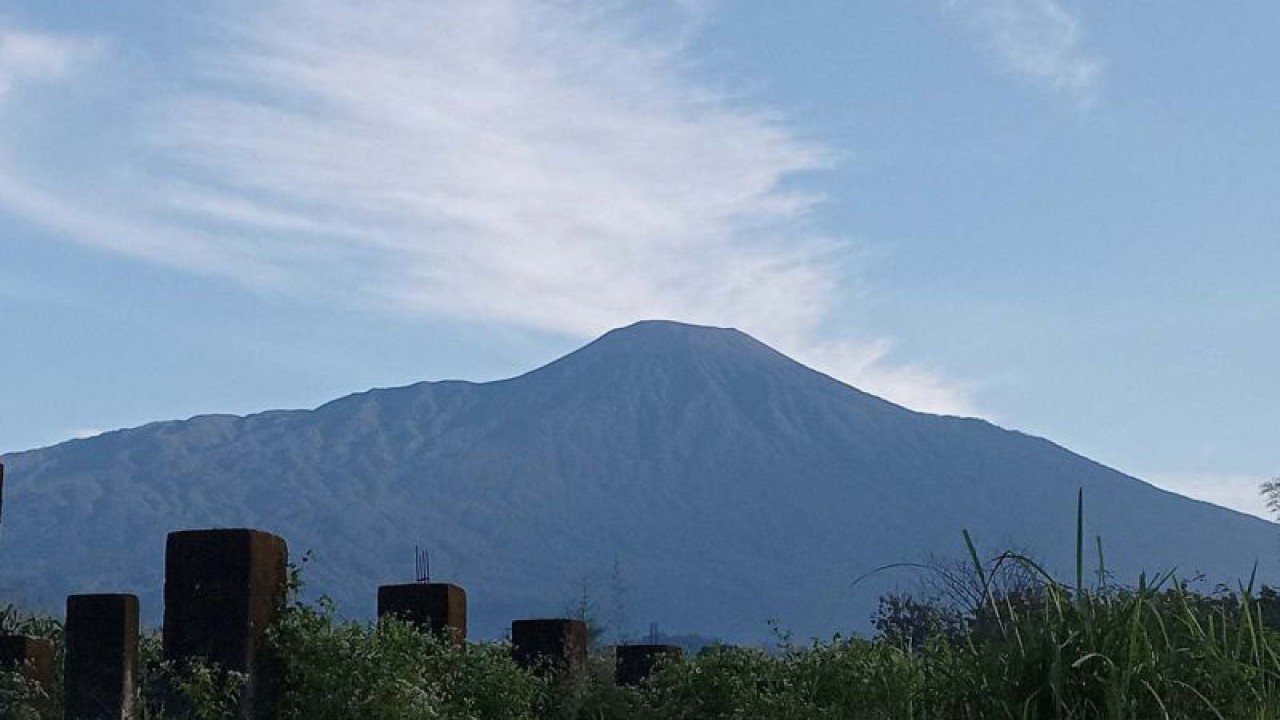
1067, 650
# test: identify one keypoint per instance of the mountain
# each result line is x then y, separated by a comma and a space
690, 475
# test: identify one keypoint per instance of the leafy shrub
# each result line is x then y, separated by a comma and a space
21, 697
192, 689
345, 669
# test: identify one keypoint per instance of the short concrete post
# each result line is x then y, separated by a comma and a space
101, 667
556, 644
222, 589
433, 607
635, 663
32, 656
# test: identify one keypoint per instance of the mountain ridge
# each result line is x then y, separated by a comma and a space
730, 483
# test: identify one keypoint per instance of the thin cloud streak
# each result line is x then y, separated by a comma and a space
1038, 39
39, 57
1238, 492
550, 166
868, 366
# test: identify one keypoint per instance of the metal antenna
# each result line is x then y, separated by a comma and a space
653, 633
421, 565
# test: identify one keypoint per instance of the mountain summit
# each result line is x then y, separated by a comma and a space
686, 475
657, 355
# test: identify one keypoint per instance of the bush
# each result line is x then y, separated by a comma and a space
20, 697
192, 689
388, 669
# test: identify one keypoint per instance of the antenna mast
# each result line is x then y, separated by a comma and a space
421, 565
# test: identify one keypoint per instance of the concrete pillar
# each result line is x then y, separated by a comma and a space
635, 663
556, 644
222, 589
101, 667
433, 607
32, 656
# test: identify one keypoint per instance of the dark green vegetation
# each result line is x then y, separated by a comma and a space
1147, 652
1029, 646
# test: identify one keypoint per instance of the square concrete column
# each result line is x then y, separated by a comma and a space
222, 590
433, 607
557, 644
101, 667
635, 663
32, 656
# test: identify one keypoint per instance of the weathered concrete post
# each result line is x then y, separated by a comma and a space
222, 589
433, 607
33, 656
101, 667
556, 644
635, 663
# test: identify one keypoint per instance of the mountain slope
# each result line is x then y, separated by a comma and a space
722, 482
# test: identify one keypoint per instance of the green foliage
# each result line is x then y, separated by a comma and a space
909, 624
20, 697
1114, 653
192, 689
345, 669
1270, 491
840, 679
1157, 650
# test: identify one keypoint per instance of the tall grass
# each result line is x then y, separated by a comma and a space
1056, 650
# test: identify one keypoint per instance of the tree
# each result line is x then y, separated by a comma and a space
1271, 493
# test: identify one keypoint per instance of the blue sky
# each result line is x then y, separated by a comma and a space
1056, 215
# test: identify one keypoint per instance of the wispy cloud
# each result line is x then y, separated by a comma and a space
36, 57
868, 365
1238, 492
550, 165
1038, 39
